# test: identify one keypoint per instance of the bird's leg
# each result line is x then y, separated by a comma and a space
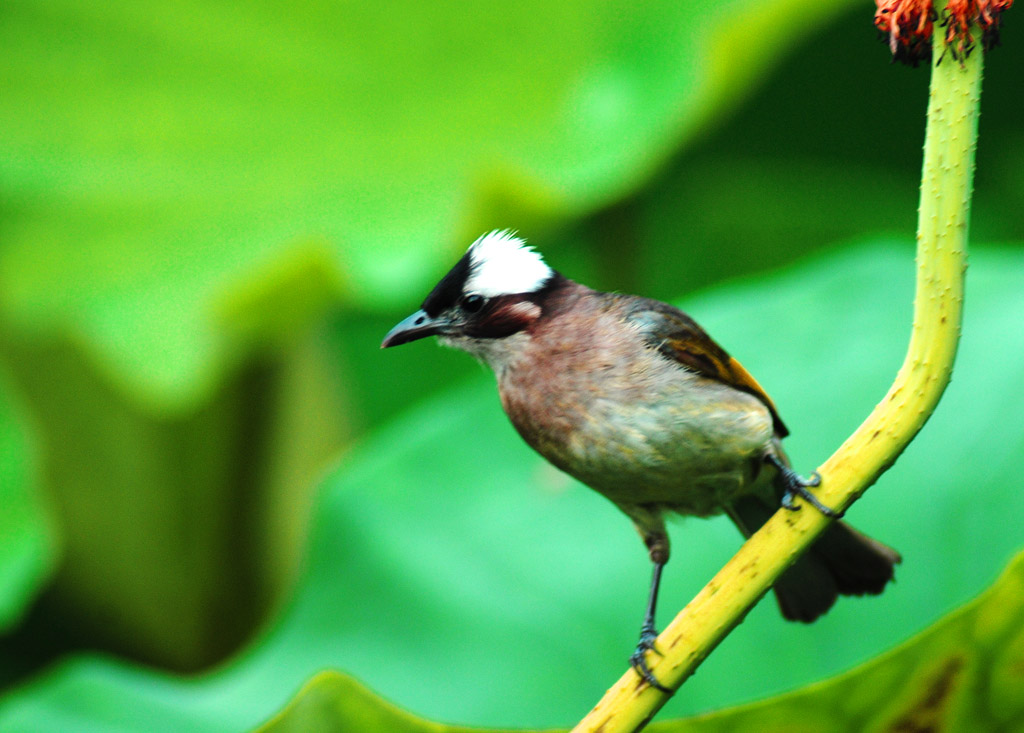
648, 634
795, 485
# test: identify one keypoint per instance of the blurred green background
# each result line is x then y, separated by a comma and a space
214, 484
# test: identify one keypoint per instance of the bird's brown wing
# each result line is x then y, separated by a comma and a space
678, 337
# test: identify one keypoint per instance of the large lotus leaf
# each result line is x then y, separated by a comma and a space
961, 675
179, 531
26, 536
184, 187
154, 152
456, 574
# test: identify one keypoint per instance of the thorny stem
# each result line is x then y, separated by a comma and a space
876, 444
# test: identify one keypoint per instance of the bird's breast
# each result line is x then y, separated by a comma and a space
640, 430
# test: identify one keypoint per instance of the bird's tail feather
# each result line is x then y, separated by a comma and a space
843, 561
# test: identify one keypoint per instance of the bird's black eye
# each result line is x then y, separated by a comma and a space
472, 303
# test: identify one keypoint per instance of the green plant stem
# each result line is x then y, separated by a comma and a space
941, 260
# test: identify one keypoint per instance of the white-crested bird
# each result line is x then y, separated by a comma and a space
631, 397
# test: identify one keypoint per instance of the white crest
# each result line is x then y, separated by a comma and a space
503, 264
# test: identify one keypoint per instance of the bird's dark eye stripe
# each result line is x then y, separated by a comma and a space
472, 303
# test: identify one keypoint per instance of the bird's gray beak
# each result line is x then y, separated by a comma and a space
418, 325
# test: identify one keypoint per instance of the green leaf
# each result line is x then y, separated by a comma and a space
156, 154
962, 674
180, 527
455, 573
335, 702
27, 543
187, 190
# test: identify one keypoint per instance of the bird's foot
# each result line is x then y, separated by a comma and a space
638, 660
795, 485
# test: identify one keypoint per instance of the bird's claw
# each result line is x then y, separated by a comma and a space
796, 485
638, 660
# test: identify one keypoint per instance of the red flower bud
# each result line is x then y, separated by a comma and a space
909, 24
961, 15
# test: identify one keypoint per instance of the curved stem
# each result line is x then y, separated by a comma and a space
877, 443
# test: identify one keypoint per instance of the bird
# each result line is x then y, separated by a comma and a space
631, 397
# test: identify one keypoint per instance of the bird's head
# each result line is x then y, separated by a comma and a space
495, 291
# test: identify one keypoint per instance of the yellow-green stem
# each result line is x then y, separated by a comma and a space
875, 445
